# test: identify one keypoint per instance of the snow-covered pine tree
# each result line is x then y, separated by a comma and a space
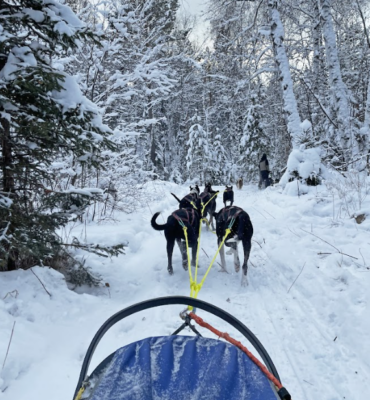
218, 165
43, 116
142, 81
253, 143
185, 97
226, 80
198, 156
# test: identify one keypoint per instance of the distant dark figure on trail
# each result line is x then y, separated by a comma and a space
264, 173
239, 183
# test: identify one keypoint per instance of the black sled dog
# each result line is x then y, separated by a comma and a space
173, 231
208, 198
190, 199
228, 195
241, 230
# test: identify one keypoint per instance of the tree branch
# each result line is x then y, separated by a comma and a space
40, 282
340, 252
10, 341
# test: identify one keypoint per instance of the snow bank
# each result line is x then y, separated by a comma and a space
303, 163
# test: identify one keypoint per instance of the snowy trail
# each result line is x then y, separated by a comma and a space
328, 299
299, 327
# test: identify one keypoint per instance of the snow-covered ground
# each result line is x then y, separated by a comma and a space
307, 300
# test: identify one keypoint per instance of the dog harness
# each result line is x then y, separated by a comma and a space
227, 214
187, 219
190, 197
203, 195
189, 200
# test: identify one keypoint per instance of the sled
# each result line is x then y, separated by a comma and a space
181, 367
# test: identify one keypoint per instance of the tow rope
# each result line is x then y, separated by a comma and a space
282, 392
80, 392
195, 287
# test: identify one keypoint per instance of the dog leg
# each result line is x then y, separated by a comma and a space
184, 255
170, 246
231, 250
222, 255
211, 222
230, 243
193, 254
234, 246
247, 250
244, 281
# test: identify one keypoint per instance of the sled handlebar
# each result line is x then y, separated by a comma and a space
173, 300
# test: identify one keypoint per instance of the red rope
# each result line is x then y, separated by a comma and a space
227, 337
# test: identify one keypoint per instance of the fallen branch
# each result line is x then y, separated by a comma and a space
208, 257
340, 252
293, 232
296, 278
269, 214
40, 282
257, 243
260, 212
363, 259
11, 294
10, 341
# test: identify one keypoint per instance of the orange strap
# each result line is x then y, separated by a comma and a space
227, 337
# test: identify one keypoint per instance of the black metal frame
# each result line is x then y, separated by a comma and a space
173, 300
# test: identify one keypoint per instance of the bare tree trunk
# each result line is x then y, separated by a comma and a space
367, 113
7, 171
7, 164
318, 63
153, 147
347, 139
365, 131
290, 102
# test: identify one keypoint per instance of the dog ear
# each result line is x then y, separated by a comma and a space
231, 187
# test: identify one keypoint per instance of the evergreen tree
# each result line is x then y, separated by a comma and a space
198, 156
44, 115
253, 143
218, 167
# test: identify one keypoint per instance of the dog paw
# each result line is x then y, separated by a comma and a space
245, 282
237, 267
170, 271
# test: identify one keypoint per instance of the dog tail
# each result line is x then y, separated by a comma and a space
176, 197
156, 226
